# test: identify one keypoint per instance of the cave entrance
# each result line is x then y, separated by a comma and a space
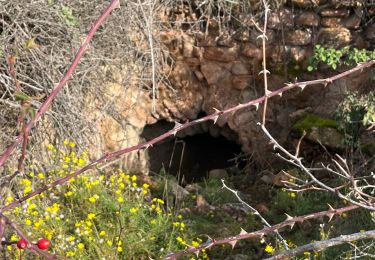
193, 152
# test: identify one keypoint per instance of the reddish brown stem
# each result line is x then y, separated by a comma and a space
31, 247
180, 127
24, 146
260, 233
57, 89
2, 229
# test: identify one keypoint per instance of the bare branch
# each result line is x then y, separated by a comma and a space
108, 156
256, 213
290, 221
31, 247
298, 162
324, 244
58, 88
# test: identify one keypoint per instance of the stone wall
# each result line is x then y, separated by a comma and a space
219, 68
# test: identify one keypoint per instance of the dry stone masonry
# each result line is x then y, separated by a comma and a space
219, 68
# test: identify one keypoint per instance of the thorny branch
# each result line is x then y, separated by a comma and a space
321, 245
297, 161
290, 221
265, 71
58, 88
31, 247
256, 213
178, 127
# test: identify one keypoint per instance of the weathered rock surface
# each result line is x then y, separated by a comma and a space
307, 3
220, 69
298, 37
308, 18
334, 37
326, 136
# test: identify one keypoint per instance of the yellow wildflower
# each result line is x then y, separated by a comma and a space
90, 216
133, 210
269, 249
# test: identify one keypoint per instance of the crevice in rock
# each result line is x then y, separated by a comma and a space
193, 152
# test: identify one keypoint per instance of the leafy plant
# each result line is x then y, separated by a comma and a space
95, 216
336, 57
356, 110
67, 14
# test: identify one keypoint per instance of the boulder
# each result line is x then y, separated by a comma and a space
240, 82
308, 18
331, 22
306, 3
334, 37
222, 54
353, 21
240, 68
212, 71
298, 37
251, 51
331, 12
326, 136
281, 18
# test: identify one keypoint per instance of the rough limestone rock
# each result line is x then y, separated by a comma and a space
332, 12
334, 37
250, 50
240, 68
331, 22
220, 54
298, 37
326, 136
308, 18
220, 69
306, 3
282, 18
213, 72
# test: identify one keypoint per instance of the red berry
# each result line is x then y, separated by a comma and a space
44, 243
22, 244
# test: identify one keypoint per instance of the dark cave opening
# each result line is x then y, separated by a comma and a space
194, 152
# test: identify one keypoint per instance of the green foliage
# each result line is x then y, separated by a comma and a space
95, 216
356, 110
307, 202
67, 14
312, 120
214, 193
336, 57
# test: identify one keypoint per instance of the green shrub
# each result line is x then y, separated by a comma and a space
336, 57
95, 216
355, 111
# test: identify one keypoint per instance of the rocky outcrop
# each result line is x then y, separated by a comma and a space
220, 69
